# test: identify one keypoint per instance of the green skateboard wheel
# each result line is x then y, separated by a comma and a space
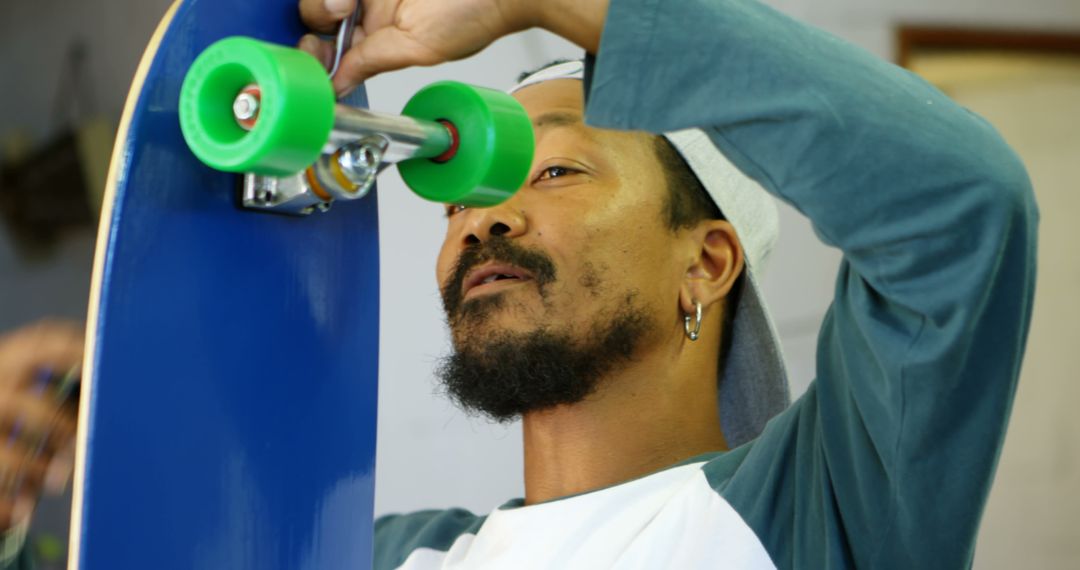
495, 149
287, 88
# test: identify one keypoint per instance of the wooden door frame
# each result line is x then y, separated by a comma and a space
912, 38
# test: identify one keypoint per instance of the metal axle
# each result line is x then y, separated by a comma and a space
362, 143
406, 137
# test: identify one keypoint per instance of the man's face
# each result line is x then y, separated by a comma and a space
580, 258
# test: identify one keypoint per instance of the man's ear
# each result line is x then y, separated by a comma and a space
716, 262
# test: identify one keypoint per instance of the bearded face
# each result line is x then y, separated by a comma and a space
506, 374
549, 292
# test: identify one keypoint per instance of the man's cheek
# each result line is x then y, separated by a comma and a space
592, 277
443, 272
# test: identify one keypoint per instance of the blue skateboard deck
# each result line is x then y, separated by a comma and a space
229, 389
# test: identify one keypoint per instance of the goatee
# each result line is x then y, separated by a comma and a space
508, 374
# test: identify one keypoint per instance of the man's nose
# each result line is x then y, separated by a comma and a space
504, 220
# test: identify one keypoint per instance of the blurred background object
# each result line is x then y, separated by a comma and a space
55, 185
430, 455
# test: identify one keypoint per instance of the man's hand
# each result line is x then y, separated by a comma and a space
29, 419
394, 34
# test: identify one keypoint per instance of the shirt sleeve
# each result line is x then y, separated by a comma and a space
886, 462
398, 536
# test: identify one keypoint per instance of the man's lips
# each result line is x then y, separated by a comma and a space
492, 275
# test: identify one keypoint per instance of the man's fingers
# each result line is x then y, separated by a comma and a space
23, 416
26, 469
377, 14
17, 462
387, 49
322, 50
325, 15
48, 345
35, 415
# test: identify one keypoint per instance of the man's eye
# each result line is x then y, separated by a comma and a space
554, 172
452, 209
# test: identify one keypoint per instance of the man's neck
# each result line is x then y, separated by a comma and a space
656, 412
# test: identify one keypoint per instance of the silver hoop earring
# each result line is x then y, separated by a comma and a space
693, 334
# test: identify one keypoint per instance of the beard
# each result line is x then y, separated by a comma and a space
504, 375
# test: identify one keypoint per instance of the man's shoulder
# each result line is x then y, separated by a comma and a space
399, 535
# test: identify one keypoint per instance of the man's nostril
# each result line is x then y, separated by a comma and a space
499, 228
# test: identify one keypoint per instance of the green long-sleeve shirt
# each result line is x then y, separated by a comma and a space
887, 460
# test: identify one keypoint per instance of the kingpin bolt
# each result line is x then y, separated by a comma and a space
360, 162
246, 106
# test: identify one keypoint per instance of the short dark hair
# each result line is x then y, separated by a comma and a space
525, 74
687, 202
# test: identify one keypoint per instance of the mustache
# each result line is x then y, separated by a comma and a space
499, 249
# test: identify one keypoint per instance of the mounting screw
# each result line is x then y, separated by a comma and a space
246, 106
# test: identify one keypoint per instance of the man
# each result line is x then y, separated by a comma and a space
597, 303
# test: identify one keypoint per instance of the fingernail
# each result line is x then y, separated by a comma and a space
339, 8
311, 44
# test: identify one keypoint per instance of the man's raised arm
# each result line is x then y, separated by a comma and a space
919, 354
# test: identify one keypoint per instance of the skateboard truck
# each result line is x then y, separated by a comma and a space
269, 113
361, 144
